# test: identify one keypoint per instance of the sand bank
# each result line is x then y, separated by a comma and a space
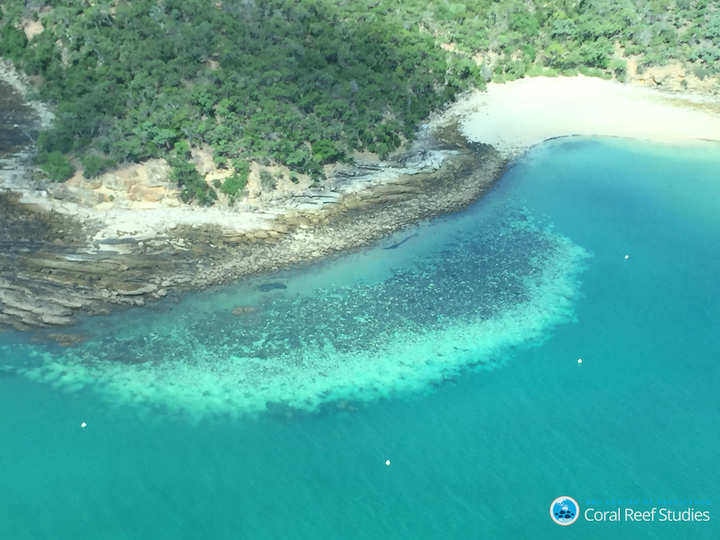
514, 116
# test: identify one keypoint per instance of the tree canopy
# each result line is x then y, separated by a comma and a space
303, 83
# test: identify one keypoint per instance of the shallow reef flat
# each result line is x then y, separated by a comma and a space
494, 288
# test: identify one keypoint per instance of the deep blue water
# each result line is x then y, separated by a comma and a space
475, 453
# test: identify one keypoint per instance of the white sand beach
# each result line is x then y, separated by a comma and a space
514, 116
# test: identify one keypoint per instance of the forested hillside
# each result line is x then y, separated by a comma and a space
303, 83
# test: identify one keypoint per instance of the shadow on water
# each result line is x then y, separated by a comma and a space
401, 242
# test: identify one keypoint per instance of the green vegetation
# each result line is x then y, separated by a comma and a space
57, 166
185, 174
234, 185
304, 83
94, 165
267, 181
12, 42
325, 151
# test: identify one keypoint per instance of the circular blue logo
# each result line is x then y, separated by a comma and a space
564, 510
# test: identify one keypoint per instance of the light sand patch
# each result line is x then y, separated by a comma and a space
520, 114
203, 159
32, 28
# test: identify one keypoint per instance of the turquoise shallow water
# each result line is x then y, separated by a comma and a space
475, 452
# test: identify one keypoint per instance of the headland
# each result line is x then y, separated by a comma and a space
86, 247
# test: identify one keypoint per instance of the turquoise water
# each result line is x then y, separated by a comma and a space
453, 355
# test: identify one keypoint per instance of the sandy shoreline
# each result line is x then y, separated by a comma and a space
127, 256
517, 115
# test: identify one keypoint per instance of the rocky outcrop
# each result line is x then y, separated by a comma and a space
62, 260
19, 305
82, 196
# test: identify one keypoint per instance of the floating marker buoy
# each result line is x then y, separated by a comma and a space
579, 360
387, 462
627, 257
83, 424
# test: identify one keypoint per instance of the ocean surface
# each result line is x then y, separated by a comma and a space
559, 338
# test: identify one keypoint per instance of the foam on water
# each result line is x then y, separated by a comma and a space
493, 288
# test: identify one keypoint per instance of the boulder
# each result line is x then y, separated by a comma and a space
243, 310
157, 173
132, 289
54, 320
140, 193
76, 195
116, 183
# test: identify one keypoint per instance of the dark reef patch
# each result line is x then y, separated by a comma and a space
265, 287
484, 274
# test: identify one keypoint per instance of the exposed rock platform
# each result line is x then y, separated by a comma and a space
62, 258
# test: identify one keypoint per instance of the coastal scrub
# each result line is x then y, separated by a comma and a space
308, 83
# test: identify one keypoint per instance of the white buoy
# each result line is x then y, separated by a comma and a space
83, 424
387, 462
579, 360
627, 257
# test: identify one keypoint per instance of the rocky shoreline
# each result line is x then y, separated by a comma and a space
62, 259
91, 246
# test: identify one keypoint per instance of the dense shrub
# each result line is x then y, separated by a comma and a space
12, 41
235, 184
194, 187
325, 151
267, 181
94, 166
56, 165
307, 82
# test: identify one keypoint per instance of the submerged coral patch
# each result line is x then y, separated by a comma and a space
492, 288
